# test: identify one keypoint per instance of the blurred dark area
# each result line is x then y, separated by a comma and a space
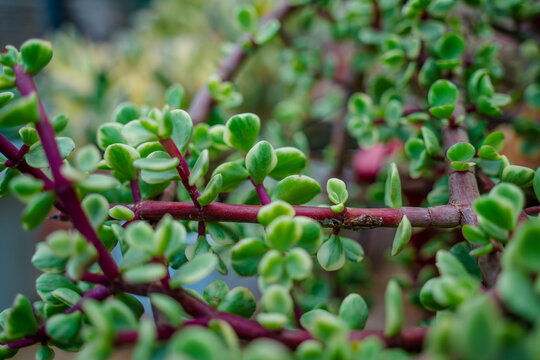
96, 19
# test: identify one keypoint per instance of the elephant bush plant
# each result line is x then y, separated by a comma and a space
181, 192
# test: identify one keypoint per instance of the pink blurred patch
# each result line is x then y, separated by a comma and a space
368, 162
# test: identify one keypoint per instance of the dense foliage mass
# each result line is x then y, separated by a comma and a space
182, 192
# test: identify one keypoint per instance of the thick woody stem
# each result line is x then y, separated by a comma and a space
445, 216
463, 190
203, 102
62, 185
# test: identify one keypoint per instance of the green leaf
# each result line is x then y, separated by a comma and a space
200, 168
120, 212
460, 152
211, 191
20, 112
276, 299
99, 182
487, 152
246, 255
59, 122
266, 32
393, 307
20, 320
431, 142
169, 236
64, 327
494, 211
87, 158
526, 247
195, 343
495, 139
44, 353
290, 161
197, 269
519, 175
241, 131
449, 265
156, 164
169, 307
450, 46
175, 96
125, 112
139, 235
487, 106
38, 209
282, 233
158, 177
353, 250
271, 266
260, 161
35, 55
354, 311
323, 325
517, 293
182, 128
392, 188
146, 340
337, 191
29, 135
312, 235
144, 274
272, 321
402, 236
331, 254
233, 174
135, 133
120, 158
96, 208
48, 282
36, 155
215, 292
296, 189
247, 18
532, 96
239, 301
67, 296
360, 104
25, 187
536, 183
474, 235
298, 263
274, 210
442, 98
108, 134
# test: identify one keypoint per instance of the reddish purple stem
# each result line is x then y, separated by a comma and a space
135, 190
264, 198
64, 189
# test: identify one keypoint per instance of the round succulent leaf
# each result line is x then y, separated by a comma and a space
442, 97
135, 133
120, 158
25, 187
532, 96
449, 265
461, 165
487, 106
156, 164
144, 274
526, 247
353, 250
241, 131
337, 191
474, 235
64, 327
48, 282
519, 175
393, 306
67, 296
402, 235
290, 161
211, 191
239, 301
354, 311
450, 46
312, 234
44, 353
310, 349
488, 152
28, 134
182, 128
246, 256
159, 177
482, 250
36, 155
360, 104
146, 339
276, 299
516, 291
200, 168
260, 161
125, 112
274, 210
272, 321
215, 292
296, 189
59, 122
35, 55
392, 187
195, 270
233, 173
19, 320
247, 18
195, 343
282, 233
271, 266
5, 98
98, 182
460, 152
120, 212
38, 209
324, 326
431, 141
87, 158
169, 235
536, 183
298, 263
331, 254
175, 96
96, 208
495, 211
108, 134
169, 307
495, 139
